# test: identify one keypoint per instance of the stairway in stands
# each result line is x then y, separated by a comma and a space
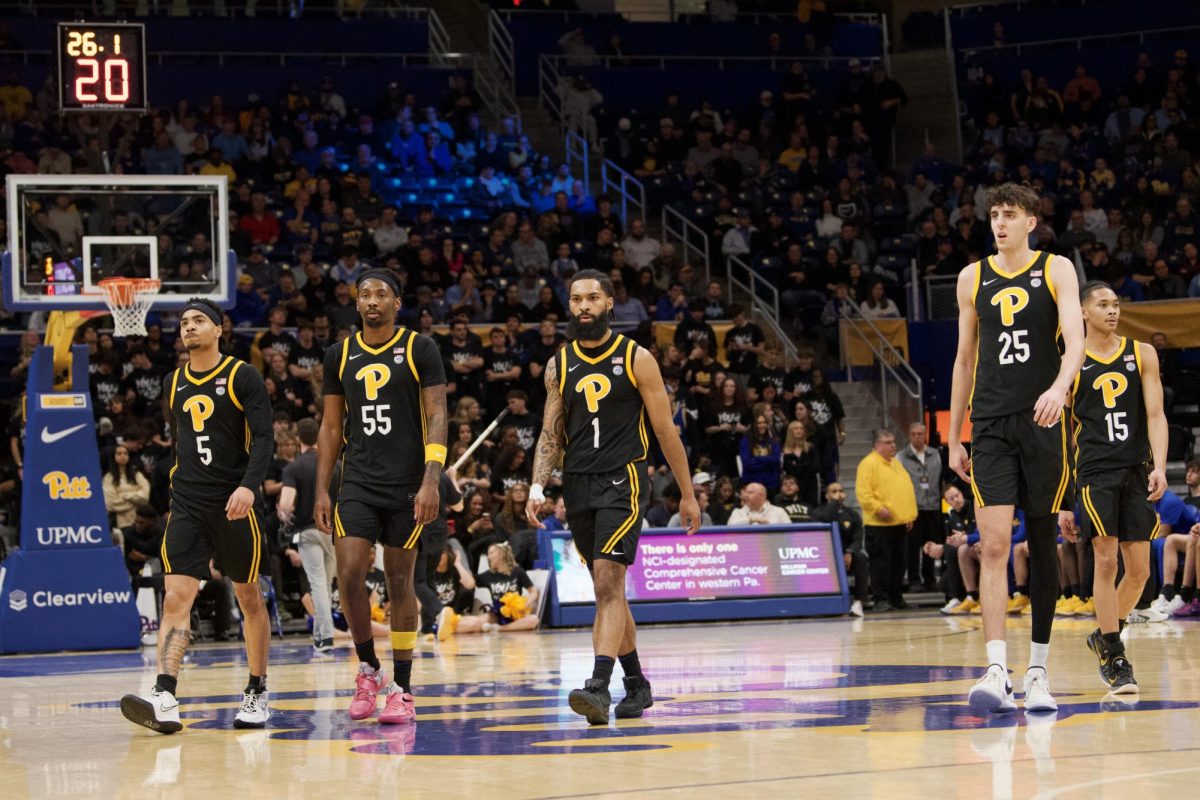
863, 416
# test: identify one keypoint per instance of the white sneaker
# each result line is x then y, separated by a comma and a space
856, 608
952, 604
159, 712
1143, 615
992, 693
1166, 606
1037, 691
254, 712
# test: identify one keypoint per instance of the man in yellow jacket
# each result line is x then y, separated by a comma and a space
889, 506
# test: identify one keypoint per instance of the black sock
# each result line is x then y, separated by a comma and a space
1120, 625
1077, 590
602, 671
630, 664
1169, 591
1023, 590
1187, 593
973, 596
257, 684
165, 683
403, 674
366, 653
1067, 593
1112, 643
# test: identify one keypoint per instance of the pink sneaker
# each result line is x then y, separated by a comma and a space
366, 688
398, 710
1192, 609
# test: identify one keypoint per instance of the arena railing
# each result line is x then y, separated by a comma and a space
501, 48
282, 9
664, 62
941, 298
222, 57
577, 156
761, 298
691, 241
1078, 41
630, 191
900, 390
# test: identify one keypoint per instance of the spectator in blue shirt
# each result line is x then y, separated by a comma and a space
761, 456
233, 145
249, 308
407, 146
434, 159
163, 158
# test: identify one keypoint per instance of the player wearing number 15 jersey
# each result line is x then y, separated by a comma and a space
221, 417
385, 412
600, 389
1120, 425
1012, 309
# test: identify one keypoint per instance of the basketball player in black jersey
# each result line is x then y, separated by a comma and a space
600, 388
1120, 425
1012, 308
385, 400
220, 416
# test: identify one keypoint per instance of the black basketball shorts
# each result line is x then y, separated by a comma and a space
1016, 462
1114, 505
605, 512
193, 537
391, 527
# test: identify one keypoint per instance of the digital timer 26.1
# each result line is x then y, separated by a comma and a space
102, 66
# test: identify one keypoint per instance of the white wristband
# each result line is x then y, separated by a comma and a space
536, 493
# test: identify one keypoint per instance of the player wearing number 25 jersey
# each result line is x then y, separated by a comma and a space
1015, 376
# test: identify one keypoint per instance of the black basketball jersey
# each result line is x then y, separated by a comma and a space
384, 432
1018, 355
1110, 415
605, 418
223, 436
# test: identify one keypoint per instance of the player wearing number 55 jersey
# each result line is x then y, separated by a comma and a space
1012, 309
1118, 411
600, 389
385, 412
221, 418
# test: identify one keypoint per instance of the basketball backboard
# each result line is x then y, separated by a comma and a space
68, 232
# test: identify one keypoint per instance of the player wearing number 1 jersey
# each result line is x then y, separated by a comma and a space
385, 413
221, 417
1120, 425
1012, 309
600, 390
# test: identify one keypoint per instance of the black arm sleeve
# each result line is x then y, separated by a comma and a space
428, 359
253, 393
332, 382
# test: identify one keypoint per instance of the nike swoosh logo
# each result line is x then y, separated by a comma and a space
356, 355
572, 369
171, 707
51, 438
993, 280
618, 483
1089, 366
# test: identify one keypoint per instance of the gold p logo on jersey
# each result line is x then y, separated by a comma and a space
1111, 386
374, 378
1011, 301
201, 407
595, 388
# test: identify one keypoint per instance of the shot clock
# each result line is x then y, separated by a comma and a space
101, 66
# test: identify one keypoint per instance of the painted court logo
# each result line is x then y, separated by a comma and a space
18, 600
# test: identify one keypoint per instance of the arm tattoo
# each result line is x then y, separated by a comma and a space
175, 643
434, 399
550, 444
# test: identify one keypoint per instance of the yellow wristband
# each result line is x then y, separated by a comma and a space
435, 452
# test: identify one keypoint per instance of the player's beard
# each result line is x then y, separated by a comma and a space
587, 331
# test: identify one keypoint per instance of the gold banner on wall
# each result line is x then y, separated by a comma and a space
857, 351
1178, 319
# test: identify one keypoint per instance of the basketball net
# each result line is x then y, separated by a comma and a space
129, 300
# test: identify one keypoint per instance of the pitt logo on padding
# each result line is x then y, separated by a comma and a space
1011, 301
201, 407
374, 378
1111, 385
595, 388
63, 486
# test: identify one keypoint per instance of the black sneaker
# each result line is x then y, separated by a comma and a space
638, 698
1118, 674
592, 701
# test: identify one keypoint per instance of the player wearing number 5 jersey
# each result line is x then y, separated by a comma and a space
1120, 425
221, 418
1012, 309
385, 413
600, 390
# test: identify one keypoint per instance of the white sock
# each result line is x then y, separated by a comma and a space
1038, 653
997, 653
